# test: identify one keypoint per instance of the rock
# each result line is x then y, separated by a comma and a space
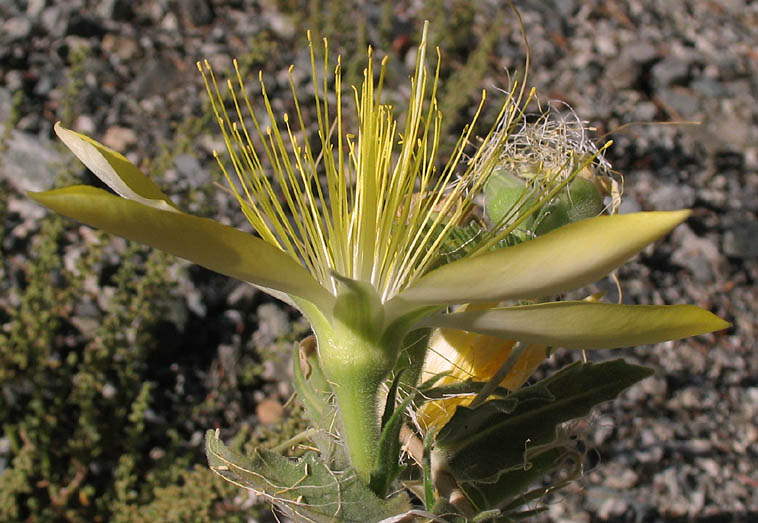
698, 254
641, 51
160, 76
669, 71
85, 124
565, 7
14, 80
645, 111
682, 102
152, 11
114, 9
741, 241
670, 197
269, 411
108, 391
606, 502
629, 205
30, 212
29, 163
272, 323
622, 73
605, 44
733, 134
241, 293
16, 28
124, 47
170, 23
281, 24
55, 20
708, 88
34, 8
622, 479
189, 169
119, 138
196, 12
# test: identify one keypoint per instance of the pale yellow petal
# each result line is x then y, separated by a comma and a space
208, 243
564, 259
585, 325
114, 170
466, 355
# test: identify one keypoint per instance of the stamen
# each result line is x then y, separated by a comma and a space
366, 222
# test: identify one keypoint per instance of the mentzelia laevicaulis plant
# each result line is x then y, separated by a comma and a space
363, 235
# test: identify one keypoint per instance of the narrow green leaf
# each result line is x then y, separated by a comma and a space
389, 405
429, 495
513, 517
585, 325
315, 394
564, 259
208, 243
487, 515
388, 457
483, 443
313, 389
410, 361
114, 170
304, 489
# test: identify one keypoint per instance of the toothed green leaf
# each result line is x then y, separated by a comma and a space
304, 489
482, 443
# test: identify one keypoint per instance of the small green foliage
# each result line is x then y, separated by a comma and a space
196, 496
75, 78
13, 117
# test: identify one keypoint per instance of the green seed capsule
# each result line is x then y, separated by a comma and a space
579, 200
503, 191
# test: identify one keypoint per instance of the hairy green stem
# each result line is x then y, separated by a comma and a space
358, 407
357, 352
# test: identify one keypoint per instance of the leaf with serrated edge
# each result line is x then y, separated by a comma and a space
585, 325
514, 483
304, 489
567, 258
482, 443
206, 242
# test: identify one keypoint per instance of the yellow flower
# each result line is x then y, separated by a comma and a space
338, 240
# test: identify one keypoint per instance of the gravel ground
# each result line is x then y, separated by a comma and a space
683, 445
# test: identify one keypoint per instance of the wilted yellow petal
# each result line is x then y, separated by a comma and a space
208, 243
564, 259
466, 355
114, 170
585, 325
